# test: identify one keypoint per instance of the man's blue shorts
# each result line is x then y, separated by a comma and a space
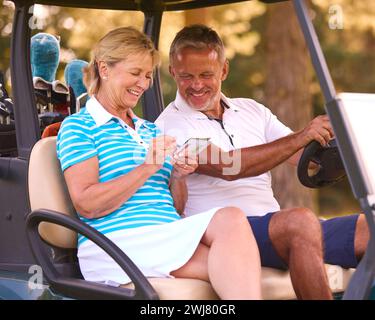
338, 236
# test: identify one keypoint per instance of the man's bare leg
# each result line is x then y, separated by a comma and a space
361, 237
297, 237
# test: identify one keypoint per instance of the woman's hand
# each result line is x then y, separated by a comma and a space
160, 147
183, 165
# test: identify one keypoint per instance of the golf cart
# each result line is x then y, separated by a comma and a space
39, 225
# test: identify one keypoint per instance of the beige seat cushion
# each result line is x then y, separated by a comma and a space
181, 289
48, 190
276, 285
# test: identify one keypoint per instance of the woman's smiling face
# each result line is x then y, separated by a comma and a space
126, 80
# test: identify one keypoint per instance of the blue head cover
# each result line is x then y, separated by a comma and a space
73, 76
45, 55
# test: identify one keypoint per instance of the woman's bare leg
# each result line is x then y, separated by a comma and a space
228, 257
196, 267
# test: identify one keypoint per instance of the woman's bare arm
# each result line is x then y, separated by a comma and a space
184, 164
93, 199
179, 194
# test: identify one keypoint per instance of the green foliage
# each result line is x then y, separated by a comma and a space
6, 13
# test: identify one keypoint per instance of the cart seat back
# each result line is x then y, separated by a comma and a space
48, 190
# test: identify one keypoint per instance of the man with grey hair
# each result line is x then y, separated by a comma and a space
250, 141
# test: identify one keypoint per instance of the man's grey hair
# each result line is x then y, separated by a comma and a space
199, 37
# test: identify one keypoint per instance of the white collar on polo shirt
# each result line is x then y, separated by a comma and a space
97, 112
181, 104
102, 116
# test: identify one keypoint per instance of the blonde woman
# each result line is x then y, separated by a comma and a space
121, 180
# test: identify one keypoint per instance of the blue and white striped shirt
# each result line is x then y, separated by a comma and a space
94, 132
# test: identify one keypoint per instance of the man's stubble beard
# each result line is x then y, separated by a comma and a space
207, 107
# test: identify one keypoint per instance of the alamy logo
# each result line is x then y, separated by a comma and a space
336, 278
336, 19
36, 280
34, 21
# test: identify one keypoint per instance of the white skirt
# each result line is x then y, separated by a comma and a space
156, 250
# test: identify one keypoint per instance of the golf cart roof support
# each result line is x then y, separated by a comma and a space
361, 283
152, 100
24, 100
140, 5
317, 56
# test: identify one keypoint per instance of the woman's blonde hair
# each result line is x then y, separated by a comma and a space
114, 47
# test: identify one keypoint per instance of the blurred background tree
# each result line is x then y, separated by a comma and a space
268, 61
287, 80
6, 14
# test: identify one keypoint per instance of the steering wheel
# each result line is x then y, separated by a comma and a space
331, 168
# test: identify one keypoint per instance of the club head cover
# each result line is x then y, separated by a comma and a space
74, 76
45, 56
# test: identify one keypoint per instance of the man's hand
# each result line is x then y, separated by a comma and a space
318, 129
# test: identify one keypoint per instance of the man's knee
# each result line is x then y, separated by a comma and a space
361, 236
361, 225
296, 225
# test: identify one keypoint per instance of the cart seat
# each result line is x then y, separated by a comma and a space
47, 190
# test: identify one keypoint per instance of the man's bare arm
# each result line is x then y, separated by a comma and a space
253, 161
294, 159
247, 162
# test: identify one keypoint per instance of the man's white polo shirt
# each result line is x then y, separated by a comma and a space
245, 123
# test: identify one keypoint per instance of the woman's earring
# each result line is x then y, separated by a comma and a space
105, 77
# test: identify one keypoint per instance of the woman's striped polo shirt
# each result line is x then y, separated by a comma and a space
94, 132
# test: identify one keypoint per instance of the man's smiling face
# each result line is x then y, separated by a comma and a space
198, 75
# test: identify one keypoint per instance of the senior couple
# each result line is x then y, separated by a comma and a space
175, 215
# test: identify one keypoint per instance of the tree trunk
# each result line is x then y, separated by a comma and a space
287, 94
